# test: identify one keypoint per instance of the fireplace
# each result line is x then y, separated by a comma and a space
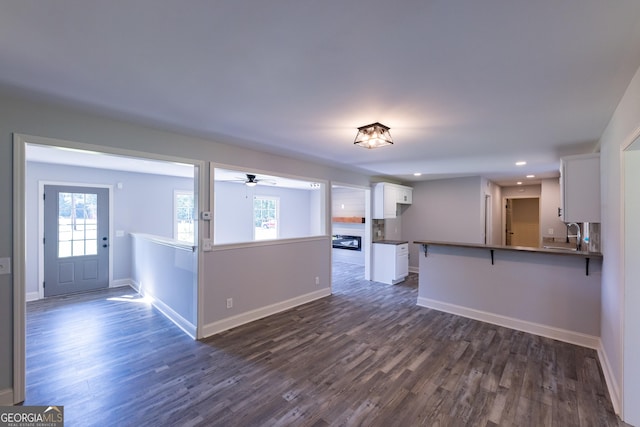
342, 241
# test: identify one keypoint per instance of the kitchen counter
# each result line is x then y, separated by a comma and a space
546, 250
549, 292
391, 242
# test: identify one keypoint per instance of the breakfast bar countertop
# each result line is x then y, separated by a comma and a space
558, 251
391, 242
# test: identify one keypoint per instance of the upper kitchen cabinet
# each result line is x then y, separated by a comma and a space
404, 195
580, 188
386, 196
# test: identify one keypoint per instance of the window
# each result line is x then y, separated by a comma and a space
250, 206
265, 217
183, 208
77, 224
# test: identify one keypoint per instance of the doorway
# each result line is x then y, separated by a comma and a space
351, 222
26, 211
522, 222
76, 239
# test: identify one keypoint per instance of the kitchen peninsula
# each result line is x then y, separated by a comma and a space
548, 292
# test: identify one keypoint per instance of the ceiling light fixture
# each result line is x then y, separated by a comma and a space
531, 176
521, 163
519, 182
417, 174
373, 136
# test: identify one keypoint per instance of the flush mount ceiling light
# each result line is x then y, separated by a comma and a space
373, 136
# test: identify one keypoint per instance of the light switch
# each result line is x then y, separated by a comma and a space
207, 245
5, 265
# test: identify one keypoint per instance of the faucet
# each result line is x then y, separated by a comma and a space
577, 235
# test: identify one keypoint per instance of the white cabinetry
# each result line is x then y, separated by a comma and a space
580, 188
390, 262
404, 195
386, 196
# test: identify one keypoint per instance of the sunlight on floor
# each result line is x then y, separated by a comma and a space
132, 298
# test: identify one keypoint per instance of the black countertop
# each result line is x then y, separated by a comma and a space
391, 242
584, 254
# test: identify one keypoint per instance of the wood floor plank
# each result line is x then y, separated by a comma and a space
366, 355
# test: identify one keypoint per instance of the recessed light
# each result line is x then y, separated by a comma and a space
417, 174
519, 182
521, 163
531, 176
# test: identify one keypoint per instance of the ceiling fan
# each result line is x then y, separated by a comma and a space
252, 180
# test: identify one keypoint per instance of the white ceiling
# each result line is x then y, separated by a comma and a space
468, 87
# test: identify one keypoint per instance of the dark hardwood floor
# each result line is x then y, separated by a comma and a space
367, 355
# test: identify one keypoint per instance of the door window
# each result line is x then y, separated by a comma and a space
77, 224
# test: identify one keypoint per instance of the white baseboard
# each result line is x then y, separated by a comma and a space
414, 269
610, 380
121, 282
167, 311
570, 337
32, 296
6, 396
250, 316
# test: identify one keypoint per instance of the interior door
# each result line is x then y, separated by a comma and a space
525, 222
76, 239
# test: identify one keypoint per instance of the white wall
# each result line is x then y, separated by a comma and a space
515, 191
620, 132
446, 210
135, 209
496, 213
631, 354
347, 202
233, 213
546, 294
549, 204
260, 276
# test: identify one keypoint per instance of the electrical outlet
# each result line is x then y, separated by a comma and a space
5, 265
317, 280
550, 231
229, 302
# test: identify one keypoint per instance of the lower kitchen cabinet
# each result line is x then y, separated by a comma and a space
390, 261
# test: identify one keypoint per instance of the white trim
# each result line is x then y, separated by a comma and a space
368, 239
259, 313
570, 337
610, 380
6, 397
19, 303
622, 270
201, 180
19, 286
231, 246
41, 185
121, 282
414, 269
33, 296
168, 312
